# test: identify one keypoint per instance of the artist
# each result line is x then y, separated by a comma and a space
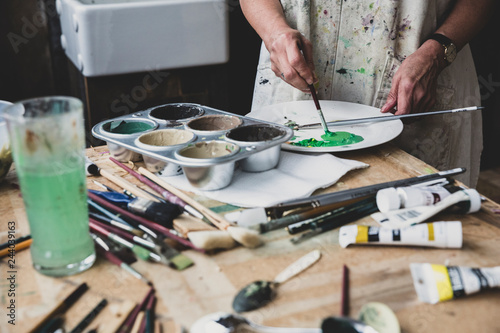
402, 56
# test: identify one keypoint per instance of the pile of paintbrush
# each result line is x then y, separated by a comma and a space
113, 228
228, 234
317, 214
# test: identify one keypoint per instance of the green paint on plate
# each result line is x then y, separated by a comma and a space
331, 139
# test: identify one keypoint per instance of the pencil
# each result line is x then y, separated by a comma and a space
17, 247
18, 240
64, 305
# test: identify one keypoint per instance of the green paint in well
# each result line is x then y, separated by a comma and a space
331, 139
124, 127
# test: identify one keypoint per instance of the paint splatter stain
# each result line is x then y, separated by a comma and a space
263, 81
401, 29
346, 42
342, 71
325, 12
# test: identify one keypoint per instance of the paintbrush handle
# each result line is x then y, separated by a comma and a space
127, 185
150, 224
171, 197
213, 217
298, 266
389, 117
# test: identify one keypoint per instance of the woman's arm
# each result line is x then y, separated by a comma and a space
414, 84
291, 52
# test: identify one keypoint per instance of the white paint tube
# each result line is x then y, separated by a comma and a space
438, 283
436, 234
91, 169
394, 198
466, 201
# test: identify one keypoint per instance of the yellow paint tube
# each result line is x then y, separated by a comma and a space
467, 201
438, 283
436, 234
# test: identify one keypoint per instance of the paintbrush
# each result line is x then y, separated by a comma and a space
355, 193
122, 182
318, 108
132, 237
129, 322
344, 306
139, 251
166, 194
110, 222
142, 221
368, 205
89, 317
105, 251
62, 307
117, 220
323, 226
244, 236
380, 118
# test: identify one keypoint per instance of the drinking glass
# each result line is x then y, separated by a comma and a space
48, 146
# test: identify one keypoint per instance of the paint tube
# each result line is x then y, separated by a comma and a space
438, 283
90, 168
465, 201
435, 234
394, 198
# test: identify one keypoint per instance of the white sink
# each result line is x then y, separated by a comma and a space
107, 37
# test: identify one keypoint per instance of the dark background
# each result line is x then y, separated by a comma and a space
37, 66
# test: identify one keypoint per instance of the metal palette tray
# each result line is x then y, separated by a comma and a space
184, 118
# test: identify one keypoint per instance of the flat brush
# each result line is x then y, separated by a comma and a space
97, 202
382, 118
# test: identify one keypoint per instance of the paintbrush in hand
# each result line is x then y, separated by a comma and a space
318, 108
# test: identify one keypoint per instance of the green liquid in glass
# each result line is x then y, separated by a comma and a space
57, 210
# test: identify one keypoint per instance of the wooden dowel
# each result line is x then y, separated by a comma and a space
122, 182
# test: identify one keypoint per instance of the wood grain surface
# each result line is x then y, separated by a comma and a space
376, 273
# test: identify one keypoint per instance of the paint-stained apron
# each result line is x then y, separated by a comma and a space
358, 46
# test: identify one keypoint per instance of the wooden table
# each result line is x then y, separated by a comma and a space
378, 274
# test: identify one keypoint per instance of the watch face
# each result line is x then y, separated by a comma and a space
451, 52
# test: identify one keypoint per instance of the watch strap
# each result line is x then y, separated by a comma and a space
442, 39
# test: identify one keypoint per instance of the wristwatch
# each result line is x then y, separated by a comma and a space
450, 49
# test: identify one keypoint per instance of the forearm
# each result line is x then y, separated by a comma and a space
266, 17
465, 20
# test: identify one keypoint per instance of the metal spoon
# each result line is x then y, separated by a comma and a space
259, 293
222, 322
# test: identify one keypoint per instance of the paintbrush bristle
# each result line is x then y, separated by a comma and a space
181, 262
246, 237
211, 239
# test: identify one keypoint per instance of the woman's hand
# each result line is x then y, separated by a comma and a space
291, 58
413, 87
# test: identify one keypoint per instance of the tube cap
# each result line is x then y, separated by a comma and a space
388, 199
475, 200
454, 236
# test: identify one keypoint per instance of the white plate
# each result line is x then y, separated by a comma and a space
304, 112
